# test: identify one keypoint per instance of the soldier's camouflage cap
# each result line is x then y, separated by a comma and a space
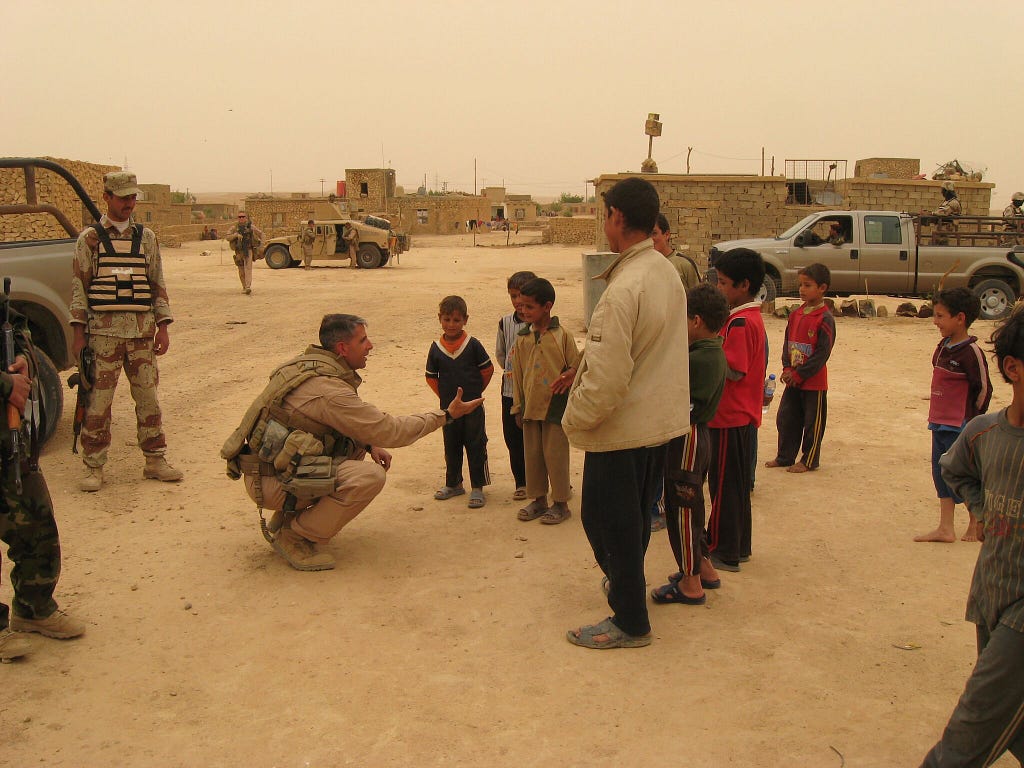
121, 183
1018, 196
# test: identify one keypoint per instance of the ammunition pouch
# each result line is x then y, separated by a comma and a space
312, 476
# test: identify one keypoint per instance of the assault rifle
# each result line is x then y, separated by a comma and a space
13, 416
83, 379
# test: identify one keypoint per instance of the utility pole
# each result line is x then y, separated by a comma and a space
322, 187
474, 177
271, 182
688, 151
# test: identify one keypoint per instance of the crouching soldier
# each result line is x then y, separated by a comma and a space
302, 443
27, 525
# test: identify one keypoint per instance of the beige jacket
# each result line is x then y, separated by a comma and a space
632, 389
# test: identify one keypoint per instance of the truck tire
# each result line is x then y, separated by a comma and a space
278, 257
52, 395
770, 289
997, 298
368, 256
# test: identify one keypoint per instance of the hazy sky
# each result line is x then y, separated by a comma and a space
236, 96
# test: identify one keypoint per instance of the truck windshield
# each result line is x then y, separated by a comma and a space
798, 227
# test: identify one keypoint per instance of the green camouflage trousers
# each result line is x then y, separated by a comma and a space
137, 358
33, 545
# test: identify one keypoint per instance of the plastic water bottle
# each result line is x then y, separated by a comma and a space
769, 394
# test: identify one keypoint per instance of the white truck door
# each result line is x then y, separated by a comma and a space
884, 253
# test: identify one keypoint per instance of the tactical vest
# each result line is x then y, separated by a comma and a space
267, 410
120, 279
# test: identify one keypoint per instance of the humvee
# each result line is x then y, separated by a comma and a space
377, 244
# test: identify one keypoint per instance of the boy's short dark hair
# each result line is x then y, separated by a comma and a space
741, 264
1008, 339
452, 304
519, 279
638, 201
819, 273
708, 302
662, 222
540, 290
958, 300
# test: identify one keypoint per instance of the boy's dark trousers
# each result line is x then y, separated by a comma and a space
802, 414
686, 468
466, 433
514, 441
729, 526
618, 490
989, 718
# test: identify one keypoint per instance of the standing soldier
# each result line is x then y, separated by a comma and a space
1014, 215
119, 309
245, 238
950, 207
351, 237
26, 517
306, 236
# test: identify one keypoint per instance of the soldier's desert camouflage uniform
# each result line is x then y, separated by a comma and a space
27, 527
307, 235
120, 339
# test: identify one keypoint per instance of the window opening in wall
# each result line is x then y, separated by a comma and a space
520, 213
278, 219
364, 189
421, 215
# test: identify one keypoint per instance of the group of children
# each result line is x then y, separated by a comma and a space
539, 360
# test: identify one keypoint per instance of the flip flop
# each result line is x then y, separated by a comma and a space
670, 593
476, 499
586, 637
520, 494
555, 515
676, 577
448, 492
531, 511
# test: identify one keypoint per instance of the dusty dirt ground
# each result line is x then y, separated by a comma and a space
439, 639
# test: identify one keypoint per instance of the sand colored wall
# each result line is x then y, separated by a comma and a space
890, 167
577, 230
913, 196
380, 187
51, 189
443, 213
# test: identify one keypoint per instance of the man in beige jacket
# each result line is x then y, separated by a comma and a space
630, 397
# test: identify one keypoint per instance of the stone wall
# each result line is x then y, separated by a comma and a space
577, 230
439, 214
703, 210
51, 189
380, 187
282, 216
887, 167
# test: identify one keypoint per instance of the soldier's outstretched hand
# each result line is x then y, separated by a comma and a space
459, 407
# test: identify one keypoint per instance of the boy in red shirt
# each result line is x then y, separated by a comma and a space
810, 334
734, 426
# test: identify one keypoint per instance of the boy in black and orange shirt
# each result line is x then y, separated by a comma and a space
810, 334
459, 360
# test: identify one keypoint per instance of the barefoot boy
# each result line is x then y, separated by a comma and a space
983, 467
459, 360
543, 368
961, 390
810, 334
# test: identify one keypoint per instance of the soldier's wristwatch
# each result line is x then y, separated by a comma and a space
448, 418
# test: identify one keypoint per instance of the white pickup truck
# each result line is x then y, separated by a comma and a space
895, 254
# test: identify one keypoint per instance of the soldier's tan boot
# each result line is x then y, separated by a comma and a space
92, 481
13, 645
300, 552
157, 468
58, 624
